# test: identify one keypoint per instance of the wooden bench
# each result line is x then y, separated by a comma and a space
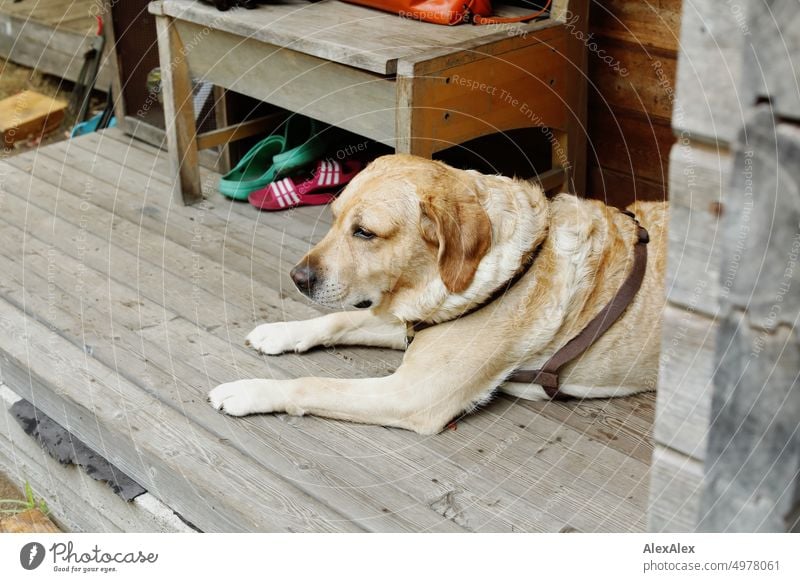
419, 88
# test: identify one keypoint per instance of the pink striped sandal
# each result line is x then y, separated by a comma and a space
320, 188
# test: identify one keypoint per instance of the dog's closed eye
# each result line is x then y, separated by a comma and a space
361, 232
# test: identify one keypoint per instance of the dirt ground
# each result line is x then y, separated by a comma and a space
8, 489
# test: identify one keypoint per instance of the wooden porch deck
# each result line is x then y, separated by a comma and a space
120, 310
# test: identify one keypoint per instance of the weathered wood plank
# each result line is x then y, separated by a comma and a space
67, 487
457, 476
649, 25
53, 47
349, 98
623, 424
707, 102
753, 462
770, 67
201, 482
630, 144
629, 78
698, 179
675, 490
761, 239
326, 30
130, 334
685, 381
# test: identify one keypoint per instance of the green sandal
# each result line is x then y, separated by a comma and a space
275, 156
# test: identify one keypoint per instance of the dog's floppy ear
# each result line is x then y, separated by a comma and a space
461, 227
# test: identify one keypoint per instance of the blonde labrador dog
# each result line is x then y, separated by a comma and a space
415, 240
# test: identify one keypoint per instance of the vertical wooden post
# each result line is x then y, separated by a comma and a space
752, 480
753, 459
573, 140
176, 87
408, 139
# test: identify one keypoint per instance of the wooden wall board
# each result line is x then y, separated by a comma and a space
632, 56
629, 144
621, 189
650, 25
628, 78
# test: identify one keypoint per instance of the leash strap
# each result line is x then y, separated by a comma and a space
547, 375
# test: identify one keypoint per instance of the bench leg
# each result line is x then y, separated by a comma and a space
176, 89
411, 138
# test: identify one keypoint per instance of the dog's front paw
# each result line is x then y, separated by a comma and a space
276, 338
249, 397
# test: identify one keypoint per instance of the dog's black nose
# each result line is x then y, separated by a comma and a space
304, 277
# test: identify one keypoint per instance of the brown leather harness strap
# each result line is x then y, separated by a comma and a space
547, 375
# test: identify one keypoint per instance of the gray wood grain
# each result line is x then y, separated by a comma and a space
363, 497
329, 28
66, 487
204, 481
127, 294
707, 105
698, 178
335, 93
770, 57
753, 461
761, 232
676, 483
49, 47
685, 382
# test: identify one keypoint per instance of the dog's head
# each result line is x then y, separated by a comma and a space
401, 225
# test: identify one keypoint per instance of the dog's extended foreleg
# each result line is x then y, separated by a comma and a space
428, 390
362, 328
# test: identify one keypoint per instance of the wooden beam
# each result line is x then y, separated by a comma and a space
239, 131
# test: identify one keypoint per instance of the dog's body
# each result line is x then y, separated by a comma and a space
415, 240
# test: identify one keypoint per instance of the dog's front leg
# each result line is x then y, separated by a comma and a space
362, 328
427, 391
